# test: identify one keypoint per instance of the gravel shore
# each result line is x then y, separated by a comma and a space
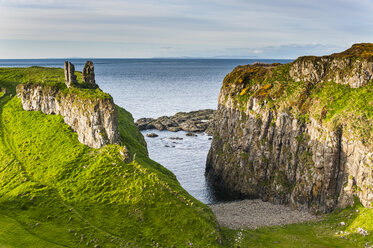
257, 213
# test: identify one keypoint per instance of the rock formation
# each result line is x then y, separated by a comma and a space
88, 75
93, 118
342, 68
194, 121
282, 136
70, 78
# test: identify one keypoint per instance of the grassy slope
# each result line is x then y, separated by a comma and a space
56, 192
59, 193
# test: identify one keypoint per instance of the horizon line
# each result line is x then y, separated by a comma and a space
237, 58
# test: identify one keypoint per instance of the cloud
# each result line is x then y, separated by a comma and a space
189, 26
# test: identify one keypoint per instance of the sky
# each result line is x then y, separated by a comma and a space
181, 28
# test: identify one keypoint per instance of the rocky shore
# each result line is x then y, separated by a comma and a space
256, 213
195, 121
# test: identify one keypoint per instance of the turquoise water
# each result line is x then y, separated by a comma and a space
156, 87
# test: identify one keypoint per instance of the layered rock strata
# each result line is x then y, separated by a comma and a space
94, 120
280, 139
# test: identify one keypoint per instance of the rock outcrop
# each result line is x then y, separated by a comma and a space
93, 118
353, 67
195, 121
282, 136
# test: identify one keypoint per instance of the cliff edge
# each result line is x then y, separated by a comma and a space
299, 133
90, 112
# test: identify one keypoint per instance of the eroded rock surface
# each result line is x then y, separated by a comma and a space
94, 120
353, 67
269, 144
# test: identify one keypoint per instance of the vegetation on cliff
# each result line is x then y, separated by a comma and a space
53, 77
333, 104
56, 192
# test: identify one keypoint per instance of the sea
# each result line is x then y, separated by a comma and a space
159, 87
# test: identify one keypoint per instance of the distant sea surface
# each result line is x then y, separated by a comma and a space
157, 87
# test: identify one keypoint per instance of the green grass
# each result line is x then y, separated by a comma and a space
56, 192
13, 234
61, 192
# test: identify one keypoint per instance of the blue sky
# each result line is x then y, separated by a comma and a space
177, 28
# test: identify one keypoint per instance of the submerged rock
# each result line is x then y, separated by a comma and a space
152, 135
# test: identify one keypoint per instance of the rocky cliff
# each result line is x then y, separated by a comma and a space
94, 119
299, 133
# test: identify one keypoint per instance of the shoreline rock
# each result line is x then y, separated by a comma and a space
194, 121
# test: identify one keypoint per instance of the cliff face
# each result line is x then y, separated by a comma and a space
296, 133
95, 120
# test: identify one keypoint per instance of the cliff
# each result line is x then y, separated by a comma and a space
299, 133
90, 112
95, 120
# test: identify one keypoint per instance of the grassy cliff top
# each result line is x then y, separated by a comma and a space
357, 50
53, 77
335, 105
362, 50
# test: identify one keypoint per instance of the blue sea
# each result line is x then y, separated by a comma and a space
157, 87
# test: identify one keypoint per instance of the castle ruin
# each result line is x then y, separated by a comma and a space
70, 77
88, 75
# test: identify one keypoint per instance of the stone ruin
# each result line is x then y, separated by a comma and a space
70, 78
88, 74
